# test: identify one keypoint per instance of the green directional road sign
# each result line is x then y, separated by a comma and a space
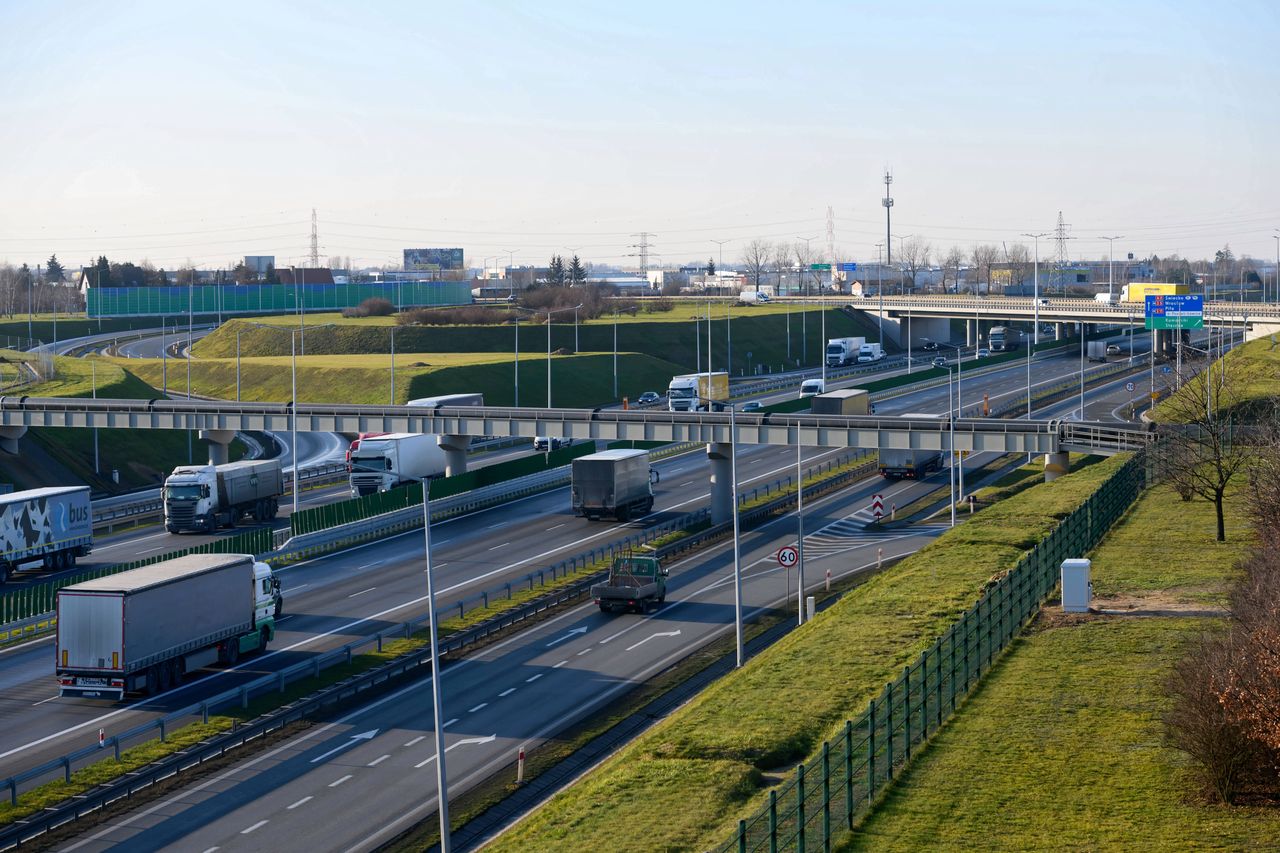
1175, 312
820, 267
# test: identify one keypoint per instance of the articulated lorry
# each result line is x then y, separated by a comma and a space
908, 464
143, 630
1005, 339
52, 525
206, 497
843, 351
1140, 292
690, 392
381, 463
635, 583
612, 482
845, 401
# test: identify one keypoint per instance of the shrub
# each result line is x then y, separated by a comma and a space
374, 306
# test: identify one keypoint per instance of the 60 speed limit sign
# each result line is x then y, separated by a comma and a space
788, 557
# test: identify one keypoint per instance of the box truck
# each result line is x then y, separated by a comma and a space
1097, 350
870, 352
52, 525
612, 482
753, 297
382, 463
142, 630
846, 401
635, 583
206, 497
690, 392
843, 351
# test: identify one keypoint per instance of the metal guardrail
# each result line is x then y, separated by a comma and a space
112, 746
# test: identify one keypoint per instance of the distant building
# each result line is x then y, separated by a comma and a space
305, 276
259, 263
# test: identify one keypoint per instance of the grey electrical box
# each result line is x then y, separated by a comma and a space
1077, 591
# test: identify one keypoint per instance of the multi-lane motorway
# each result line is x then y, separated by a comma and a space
515, 692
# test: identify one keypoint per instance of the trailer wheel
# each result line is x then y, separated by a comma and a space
604, 608
264, 637
624, 513
231, 651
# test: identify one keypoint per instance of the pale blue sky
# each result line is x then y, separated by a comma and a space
167, 131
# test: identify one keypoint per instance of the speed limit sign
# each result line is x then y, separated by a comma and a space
1128, 386
788, 557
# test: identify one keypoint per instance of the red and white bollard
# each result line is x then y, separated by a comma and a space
520, 767
879, 558
893, 512
828, 580
102, 738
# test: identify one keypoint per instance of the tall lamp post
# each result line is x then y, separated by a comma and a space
1111, 268
1035, 332
955, 412
549, 312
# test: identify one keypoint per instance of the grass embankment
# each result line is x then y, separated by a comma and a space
1253, 376
703, 768
579, 381
44, 326
142, 457
1062, 745
762, 332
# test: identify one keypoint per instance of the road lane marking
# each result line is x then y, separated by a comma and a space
496, 526
257, 825
42, 701
583, 652
496, 547
300, 802
533, 678
415, 740
448, 723
335, 783
378, 760
507, 692
478, 707
562, 663
675, 633
556, 527
362, 592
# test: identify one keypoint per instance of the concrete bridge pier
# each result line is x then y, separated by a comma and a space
455, 453
219, 442
970, 332
1055, 465
9, 436
1059, 331
720, 455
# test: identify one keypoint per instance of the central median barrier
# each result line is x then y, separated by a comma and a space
741, 766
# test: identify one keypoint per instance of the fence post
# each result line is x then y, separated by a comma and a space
162, 732
871, 751
799, 806
848, 773
906, 714
826, 796
773, 820
888, 728
742, 836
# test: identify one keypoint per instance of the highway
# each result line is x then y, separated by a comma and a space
516, 693
332, 599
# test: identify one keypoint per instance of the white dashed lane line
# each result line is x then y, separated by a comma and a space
415, 740
362, 592
378, 760
335, 783
533, 678
448, 723
507, 692
257, 825
478, 707
496, 547
301, 802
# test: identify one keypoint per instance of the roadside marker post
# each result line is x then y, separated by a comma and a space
520, 767
102, 738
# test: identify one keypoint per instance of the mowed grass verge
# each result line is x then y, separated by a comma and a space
1253, 372
705, 767
1062, 746
577, 381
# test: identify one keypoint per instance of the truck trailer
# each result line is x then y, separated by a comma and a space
142, 630
1097, 350
635, 583
843, 351
612, 482
907, 463
690, 392
845, 401
52, 525
380, 464
870, 352
206, 497
1140, 292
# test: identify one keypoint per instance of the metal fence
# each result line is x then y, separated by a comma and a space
830, 791
39, 598
268, 298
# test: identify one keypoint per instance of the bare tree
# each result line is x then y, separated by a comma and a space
951, 266
756, 258
984, 256
1018, 256
804, 258
915, 257
1205, 445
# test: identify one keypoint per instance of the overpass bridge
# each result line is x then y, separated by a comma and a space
1258, 319
219, 421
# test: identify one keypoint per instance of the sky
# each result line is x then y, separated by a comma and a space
178, 132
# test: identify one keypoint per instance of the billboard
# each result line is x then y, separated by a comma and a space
421, 260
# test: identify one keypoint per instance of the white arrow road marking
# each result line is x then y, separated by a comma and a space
369, 735
490, 739
569, 636
651, 636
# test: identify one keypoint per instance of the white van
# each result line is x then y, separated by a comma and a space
812, 387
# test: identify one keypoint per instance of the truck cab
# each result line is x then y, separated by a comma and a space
268, 601
682, 394
190, 498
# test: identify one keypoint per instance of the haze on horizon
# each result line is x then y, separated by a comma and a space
169, 132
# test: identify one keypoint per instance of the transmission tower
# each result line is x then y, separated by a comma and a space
1060, 261
315, 242
831, 235
644, 245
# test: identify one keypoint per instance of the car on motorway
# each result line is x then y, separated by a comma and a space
1044, 301
648, 398
1113, 349
939, 361
547, 443
752, 406
929, 345
983, 352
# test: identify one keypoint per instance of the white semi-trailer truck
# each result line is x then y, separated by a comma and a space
52, 525
142, 630
843, 351
380, 464
206, 497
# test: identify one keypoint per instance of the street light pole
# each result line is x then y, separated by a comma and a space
516, 367
615, 353
737, 549
437, 699
952, 429
237, 363
1111, 270
293, 412
800, 532
1035, 333
393, 365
